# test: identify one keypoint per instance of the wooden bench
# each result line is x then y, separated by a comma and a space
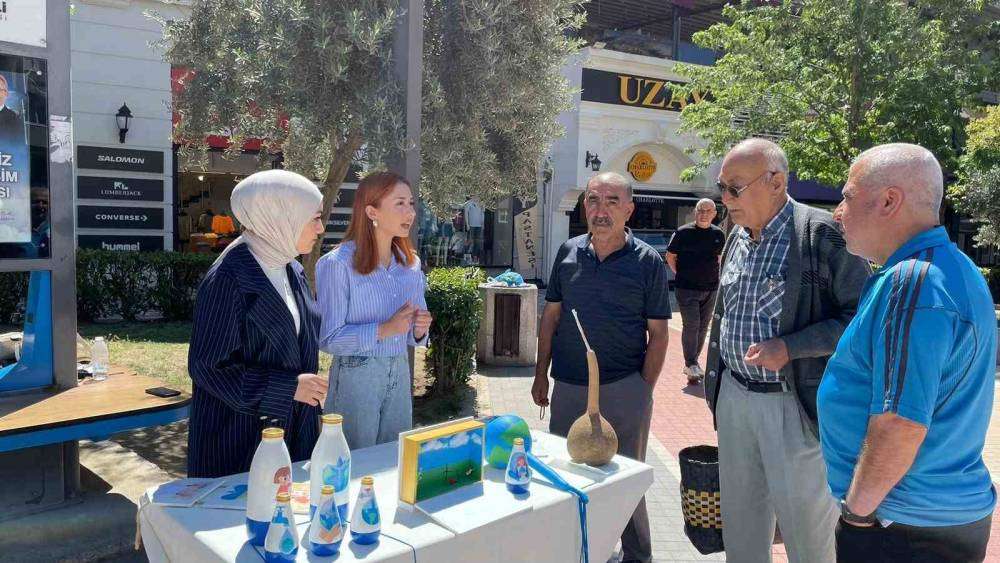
92, 410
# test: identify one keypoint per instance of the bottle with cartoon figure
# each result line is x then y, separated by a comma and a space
365, 521
330, 464
282, 541
270, 473
327, 529
518, 475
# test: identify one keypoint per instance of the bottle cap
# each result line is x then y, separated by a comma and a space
368, 480
326, 490
272, 433
332, 419
518, 441
284, 497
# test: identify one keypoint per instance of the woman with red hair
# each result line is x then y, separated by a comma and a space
371, 296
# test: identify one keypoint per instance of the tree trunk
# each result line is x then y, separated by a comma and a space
343, 155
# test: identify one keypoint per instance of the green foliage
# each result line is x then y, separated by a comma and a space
177, 277
493, 89
992, 276
454, 301
316, 78
130, 284
834, 77
13, 293
977, 192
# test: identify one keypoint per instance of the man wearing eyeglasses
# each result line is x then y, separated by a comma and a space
788, 289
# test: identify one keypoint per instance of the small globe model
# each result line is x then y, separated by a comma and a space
500, 434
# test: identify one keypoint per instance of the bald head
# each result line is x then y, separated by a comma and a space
760, 149
910, 168
612, 179
704, 203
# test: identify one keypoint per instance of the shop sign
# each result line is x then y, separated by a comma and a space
15, 184
23, 22
636, 91
121, 243
129, 160
526, 235
642, 166
129, 189
108, 217
338, 222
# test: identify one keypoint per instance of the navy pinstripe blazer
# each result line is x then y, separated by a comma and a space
244, 362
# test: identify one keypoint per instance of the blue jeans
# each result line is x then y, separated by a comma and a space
373, 395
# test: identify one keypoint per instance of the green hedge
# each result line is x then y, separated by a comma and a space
992, 276
126, 284
453, 299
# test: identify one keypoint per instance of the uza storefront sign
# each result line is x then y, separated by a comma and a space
104, 158
121, 243
636, 91
95, 217
130, 189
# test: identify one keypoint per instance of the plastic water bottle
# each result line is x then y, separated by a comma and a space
330, 465
99, 359
518, 474
366, 524
282, 541
326, 531
270, 474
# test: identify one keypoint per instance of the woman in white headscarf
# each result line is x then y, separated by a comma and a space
254, 354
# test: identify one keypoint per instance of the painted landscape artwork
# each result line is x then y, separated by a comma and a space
447, 463
440, 459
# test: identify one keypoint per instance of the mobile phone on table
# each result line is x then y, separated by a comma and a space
163, 392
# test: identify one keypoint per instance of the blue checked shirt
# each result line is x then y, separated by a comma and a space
752, 286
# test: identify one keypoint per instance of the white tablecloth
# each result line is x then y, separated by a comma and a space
545, 528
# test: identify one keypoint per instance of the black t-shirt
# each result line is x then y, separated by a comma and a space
697, 253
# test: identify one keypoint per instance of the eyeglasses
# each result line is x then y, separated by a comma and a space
735, 191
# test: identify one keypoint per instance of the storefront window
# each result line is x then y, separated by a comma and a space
468, 235
24, 158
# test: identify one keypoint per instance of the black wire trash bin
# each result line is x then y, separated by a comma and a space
700, 498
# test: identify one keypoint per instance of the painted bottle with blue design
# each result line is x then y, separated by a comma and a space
366, 523
282, 541
270, 474
326, 530
330, 465
518, 474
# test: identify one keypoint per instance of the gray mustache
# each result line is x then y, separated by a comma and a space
603, 221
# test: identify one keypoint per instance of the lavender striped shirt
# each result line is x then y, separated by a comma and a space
353, 305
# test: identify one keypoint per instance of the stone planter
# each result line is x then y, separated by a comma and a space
508, 333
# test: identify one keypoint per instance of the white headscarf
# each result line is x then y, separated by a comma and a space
274, 206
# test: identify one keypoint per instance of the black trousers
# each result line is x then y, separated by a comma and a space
900, 543
696, 313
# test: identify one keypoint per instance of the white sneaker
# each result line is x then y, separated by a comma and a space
693, 374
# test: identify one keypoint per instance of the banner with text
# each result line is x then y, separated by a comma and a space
15, 182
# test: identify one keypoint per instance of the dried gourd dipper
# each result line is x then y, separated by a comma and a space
591, 439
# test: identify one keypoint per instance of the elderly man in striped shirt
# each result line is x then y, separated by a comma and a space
788, 289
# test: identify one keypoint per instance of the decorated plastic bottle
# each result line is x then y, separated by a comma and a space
331, 465
282, 541
327, 529
365, 521
270, 474
518, 475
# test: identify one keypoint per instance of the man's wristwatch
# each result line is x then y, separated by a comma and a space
851, 518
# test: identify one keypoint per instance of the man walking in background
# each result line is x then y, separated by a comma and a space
694, 254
